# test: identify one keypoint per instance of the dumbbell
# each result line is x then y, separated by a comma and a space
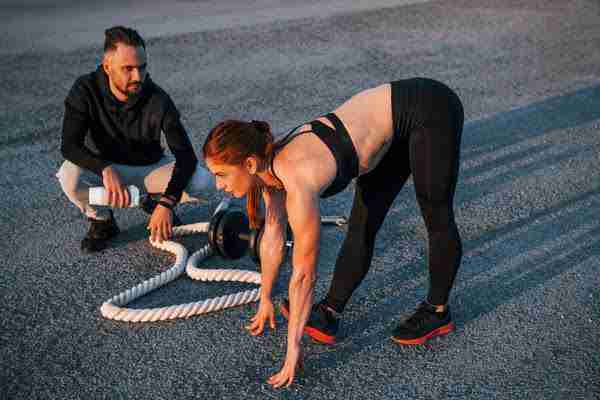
230, 236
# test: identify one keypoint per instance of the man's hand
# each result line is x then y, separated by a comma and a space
265, 313
118, 195
161, 224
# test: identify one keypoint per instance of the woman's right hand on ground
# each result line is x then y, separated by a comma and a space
294, 361
118, 195
264, 315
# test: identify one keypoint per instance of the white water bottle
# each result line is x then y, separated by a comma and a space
98, 196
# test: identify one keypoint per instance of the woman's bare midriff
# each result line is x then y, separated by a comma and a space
368, 118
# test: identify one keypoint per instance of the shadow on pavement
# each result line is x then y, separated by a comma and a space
508, 128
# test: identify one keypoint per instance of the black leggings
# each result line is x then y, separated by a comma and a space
426, 144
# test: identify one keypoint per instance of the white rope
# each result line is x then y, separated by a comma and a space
114, 307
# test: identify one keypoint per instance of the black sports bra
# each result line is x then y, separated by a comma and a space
339, 143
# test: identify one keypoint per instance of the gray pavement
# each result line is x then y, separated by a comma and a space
527, 298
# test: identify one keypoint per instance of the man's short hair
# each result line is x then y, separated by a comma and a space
120, 34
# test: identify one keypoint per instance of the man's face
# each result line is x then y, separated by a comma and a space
126, 70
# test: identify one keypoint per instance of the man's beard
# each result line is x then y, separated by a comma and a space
133, 88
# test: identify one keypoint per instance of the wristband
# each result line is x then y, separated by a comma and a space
166, 204
170, 197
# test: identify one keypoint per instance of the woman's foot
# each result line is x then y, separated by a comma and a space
322, 324
426, 322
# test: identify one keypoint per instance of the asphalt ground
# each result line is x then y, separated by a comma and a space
526, 300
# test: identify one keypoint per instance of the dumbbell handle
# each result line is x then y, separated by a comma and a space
228, 233
244, 236
197, 227
334, 220
325, 220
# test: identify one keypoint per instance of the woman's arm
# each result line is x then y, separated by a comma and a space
271, 251
303, 215
272, 243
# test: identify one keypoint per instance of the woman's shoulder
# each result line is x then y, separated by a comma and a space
285, 168
304, 164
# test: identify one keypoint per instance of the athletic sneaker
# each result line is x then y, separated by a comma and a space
99, 233
148, 204
423, 324
323, 322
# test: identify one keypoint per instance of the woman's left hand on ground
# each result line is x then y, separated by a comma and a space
293, 362
264, 315
161, 224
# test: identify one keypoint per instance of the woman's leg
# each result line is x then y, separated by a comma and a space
434, 160
373, 197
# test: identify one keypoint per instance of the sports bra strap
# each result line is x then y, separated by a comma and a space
339, 143
282, 142
338, 125
289, 136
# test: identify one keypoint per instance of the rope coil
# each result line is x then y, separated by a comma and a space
114, 307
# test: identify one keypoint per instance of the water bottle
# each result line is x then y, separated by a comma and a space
99, 197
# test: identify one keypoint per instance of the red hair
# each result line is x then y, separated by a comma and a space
232, 142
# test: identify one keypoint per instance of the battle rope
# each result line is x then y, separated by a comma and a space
114, 307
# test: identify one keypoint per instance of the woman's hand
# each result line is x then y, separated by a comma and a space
265, 314
293, 361
161, 224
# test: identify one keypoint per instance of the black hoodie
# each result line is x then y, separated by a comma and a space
124, 133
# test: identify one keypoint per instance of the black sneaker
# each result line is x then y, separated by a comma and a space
99, 233
148, 204
322, 324
422, 325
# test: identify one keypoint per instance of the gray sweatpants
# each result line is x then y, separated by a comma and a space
76, 181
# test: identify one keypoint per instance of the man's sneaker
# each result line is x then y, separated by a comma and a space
322, 324
422, 325
148, 204
99, 233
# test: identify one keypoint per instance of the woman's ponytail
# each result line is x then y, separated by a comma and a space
261, 126
254, 195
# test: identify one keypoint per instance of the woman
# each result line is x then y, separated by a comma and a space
381, 136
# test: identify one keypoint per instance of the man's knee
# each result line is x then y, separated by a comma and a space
70, 177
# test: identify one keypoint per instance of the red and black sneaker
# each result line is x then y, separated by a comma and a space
422, 325
322, 324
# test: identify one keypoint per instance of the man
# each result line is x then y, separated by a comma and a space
111, 134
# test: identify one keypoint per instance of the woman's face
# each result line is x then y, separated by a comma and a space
233, 179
